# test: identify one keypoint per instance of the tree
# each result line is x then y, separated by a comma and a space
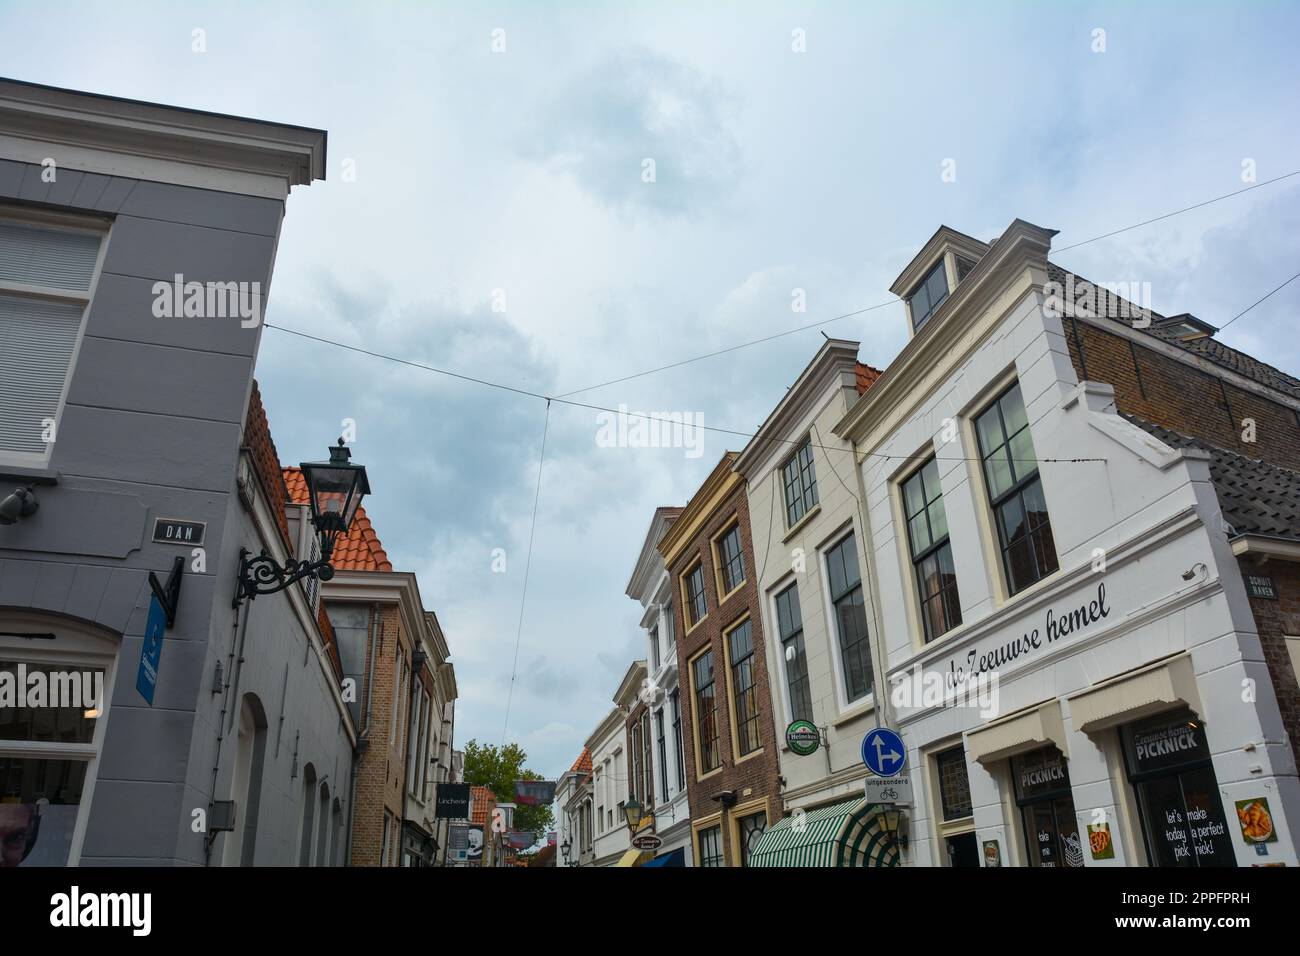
497, 768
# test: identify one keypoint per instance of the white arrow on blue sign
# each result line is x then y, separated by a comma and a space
883, 752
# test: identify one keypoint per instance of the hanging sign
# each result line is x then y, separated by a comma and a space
803, 737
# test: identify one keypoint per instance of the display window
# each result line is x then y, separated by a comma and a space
1046, 805
1168, 763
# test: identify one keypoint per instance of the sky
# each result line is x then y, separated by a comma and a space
486, 210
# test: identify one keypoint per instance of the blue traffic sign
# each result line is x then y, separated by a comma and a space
147, 679
883, 752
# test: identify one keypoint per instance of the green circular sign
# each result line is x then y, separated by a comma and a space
803, 737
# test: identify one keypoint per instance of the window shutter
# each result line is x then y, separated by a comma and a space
38, 337
32, 255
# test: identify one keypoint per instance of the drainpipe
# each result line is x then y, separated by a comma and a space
237, 635
417, 661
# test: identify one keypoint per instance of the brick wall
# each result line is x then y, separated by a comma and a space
1171, 393
756, 776
381, 773
1275, 621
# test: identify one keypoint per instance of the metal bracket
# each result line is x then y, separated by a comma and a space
169, 594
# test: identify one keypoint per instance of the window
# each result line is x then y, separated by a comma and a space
1015, 491
850, 617
789, 622
929, 295
706, 717
677, 741
655, 660
662, 742
47, 274
731, 560
600, 818
1042, 782
710, 854
740, 644
384, 847
954, 786
647, 766
634, 778
927, 535
751, 830
693, 586
800, 480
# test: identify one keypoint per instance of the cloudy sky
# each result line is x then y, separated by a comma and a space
514, 177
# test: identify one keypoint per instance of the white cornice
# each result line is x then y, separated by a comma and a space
630, 685
943, 239
649, 562
383, 587
130, 138
611, 722
1266, 546
835, 364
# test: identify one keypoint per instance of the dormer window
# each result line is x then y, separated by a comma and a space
928, 296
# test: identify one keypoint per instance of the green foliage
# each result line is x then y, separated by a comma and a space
497, 768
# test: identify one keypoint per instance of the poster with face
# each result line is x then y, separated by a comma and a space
475, 844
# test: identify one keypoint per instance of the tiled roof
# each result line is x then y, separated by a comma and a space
583, 763
266, 461
867, 376
1255, 497
484, 801
359, 549
1207, 347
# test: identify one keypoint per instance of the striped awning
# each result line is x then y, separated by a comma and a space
839, 835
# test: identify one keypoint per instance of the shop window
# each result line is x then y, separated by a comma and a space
1015, 491
39, 802
1046, 804
931, 551
1183, 823
710, 854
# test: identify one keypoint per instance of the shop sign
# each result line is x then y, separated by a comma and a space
451, 801
1261, 586
146, 680
175, 531
1001, 655
474, 851
992, 854
458, 842
647, 841
1167, 744
1041, 772
802, 737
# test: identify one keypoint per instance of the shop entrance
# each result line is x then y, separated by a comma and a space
1047, 808
1168, 762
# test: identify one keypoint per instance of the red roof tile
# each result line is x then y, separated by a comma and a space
484, 802
866, 377
359, 549
257, 437
583, 763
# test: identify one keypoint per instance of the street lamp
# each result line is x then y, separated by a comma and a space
633, 810
336, 488
567, 849
888, 818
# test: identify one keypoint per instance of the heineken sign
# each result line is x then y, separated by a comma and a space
803, 737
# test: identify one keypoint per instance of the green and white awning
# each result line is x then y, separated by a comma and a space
841, 834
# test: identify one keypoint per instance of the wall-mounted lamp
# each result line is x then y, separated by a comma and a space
21, 504
889, 818
336, 487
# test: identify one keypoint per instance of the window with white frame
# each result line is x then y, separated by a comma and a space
48, 268
928, 296
850, 613
799, 479
50, 746
789, 622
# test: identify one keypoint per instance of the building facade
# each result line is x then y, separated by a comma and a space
610, 840
730, 746
651, 586
129, 418
574, 812
1070, 651
809, 545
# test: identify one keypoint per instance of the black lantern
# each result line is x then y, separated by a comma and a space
336, 488
567, 849
633, 811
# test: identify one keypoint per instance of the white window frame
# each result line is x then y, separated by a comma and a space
867, 701
780, 587
78, 647
85, 225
